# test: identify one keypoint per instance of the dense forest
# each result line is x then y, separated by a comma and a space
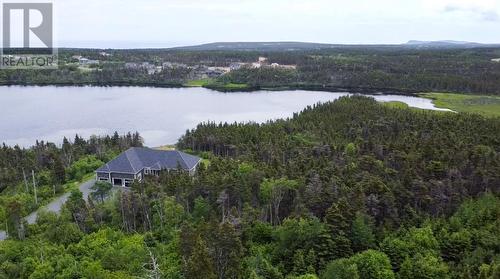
31, 177
333, 192
353, 68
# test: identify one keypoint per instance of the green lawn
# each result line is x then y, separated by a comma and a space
214, 84
166, 147
481, 104
235, 85
198, 82
85, 69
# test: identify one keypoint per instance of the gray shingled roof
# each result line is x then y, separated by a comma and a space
137, 158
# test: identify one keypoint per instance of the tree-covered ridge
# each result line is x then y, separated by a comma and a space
354, 68
349, 189
414, 160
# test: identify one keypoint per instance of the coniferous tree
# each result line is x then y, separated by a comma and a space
200, 264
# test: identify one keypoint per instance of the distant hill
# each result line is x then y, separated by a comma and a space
297, 46
259, 46
445, 44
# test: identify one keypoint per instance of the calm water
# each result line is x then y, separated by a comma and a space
160, 115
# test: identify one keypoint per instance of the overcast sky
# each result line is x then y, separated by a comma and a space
164, 23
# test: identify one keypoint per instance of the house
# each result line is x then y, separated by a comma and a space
85, 61
236, 66
256, 65
138, 162
173, 65
263, 62
151, 69
203, 72
220, 70
130, 65
288, 67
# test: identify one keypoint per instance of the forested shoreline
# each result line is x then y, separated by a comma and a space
356, 68
347, 189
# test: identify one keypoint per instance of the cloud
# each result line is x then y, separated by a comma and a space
181, 22
483, 14
451, 9
490, 16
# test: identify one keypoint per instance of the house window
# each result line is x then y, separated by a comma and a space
117, 182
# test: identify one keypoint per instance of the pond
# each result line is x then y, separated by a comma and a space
160, 115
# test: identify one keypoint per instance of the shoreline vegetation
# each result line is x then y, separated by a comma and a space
486, 105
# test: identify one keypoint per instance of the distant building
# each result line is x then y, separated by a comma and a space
130, 65
204, 72
173, 65
137, 162
236, 66
256, 65
105, 54
289, 67
261, 63
151, 69
222, 70
85, 61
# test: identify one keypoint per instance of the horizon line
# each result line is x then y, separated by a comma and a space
173, 45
